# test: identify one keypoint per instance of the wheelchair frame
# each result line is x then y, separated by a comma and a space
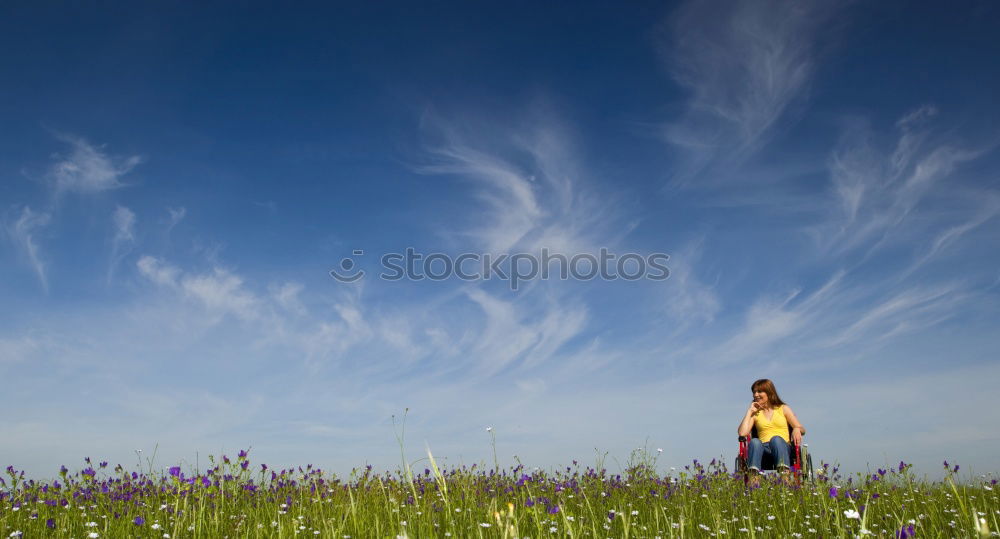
801, 460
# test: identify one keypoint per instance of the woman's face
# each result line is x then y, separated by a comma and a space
760, 397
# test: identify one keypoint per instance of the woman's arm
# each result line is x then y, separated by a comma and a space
797, 429
746, 426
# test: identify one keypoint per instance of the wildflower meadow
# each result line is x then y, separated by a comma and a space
236, 497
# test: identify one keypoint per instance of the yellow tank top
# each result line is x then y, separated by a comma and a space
777, 426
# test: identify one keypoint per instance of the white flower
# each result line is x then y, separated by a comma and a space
552, 529
634, 513
851, 513
489, 429
91, 524
15, 533
93, 535
166, 536
484, 524
770, 517
659, 450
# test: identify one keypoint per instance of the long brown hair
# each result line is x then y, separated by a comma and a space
767, 386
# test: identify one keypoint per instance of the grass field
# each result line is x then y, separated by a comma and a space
234, 497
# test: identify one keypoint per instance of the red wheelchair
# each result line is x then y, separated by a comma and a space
801, 460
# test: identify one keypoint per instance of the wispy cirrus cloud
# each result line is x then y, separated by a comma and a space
745, 64
529, 182
174, 217
512, 335
123, 239
23, 233
877, 188
87, 168
221, 292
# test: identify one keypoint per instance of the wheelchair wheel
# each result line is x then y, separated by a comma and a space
807, 463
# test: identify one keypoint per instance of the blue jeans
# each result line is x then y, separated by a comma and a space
775, 452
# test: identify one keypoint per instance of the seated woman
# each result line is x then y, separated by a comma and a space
772, 418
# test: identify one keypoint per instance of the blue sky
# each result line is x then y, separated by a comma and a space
177, 181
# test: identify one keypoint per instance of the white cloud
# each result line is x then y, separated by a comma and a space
176, 215
157, 271
87, 169
23, 233
222, 291
530, 186
877, 189
745, 64
287, 296
513, 335
124, 237
687, 299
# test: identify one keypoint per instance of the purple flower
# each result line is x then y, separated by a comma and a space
529, 502
956, 469
902, 466
905, 532
50, 523
263, 467
553, 509
139, 521
243, 454
244, 464
833, 492
175, 471
611, 515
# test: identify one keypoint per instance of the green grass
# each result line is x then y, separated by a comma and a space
234, 498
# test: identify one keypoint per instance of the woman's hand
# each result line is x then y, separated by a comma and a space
754, 408
797, 435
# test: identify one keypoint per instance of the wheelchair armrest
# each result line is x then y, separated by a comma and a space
743, 438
